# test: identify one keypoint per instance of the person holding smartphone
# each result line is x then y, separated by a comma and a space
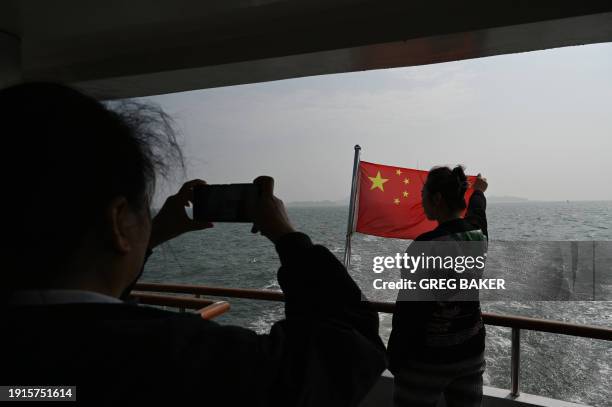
436, 347
80, 230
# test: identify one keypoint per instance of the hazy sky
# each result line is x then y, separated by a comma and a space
538, 125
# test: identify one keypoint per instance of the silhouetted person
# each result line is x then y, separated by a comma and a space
437, 346
80, 229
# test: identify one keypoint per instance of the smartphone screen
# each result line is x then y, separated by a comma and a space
225, 203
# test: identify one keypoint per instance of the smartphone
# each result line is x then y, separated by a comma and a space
225, 202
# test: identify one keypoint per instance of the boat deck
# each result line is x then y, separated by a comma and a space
381, 395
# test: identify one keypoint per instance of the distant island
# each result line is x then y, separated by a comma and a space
324, 203
494, 198
345, 202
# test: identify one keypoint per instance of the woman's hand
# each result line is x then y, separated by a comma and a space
480, 184
172, 220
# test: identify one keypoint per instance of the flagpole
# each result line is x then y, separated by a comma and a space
351, 216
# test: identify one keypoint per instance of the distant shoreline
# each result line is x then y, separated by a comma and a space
505, 198
491, 199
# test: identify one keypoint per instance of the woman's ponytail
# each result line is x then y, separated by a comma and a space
462, 182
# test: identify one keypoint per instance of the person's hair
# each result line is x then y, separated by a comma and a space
72, 155
451, 184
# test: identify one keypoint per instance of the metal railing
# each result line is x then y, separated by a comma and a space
516, 323
208, 309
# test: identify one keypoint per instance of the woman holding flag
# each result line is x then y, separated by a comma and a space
437, 347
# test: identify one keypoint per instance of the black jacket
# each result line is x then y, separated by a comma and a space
441, 331
325, 352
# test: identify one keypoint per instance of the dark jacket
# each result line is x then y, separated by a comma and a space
325, 352
441, 331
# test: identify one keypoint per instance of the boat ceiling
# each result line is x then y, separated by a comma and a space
119, 48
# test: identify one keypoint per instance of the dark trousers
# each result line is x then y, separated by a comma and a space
421, 384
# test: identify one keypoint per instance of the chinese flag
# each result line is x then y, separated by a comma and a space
389, 201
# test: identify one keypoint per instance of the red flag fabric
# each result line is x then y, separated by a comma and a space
389, 201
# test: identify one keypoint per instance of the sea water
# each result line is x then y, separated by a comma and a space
558, 366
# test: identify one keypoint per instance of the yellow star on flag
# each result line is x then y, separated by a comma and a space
405, 194
398, 172
406, 181
378, 182
396, 201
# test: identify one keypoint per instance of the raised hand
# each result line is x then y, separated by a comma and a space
270, 216
480, 184
171, 220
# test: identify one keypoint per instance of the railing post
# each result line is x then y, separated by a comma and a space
593, 270
515, 362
